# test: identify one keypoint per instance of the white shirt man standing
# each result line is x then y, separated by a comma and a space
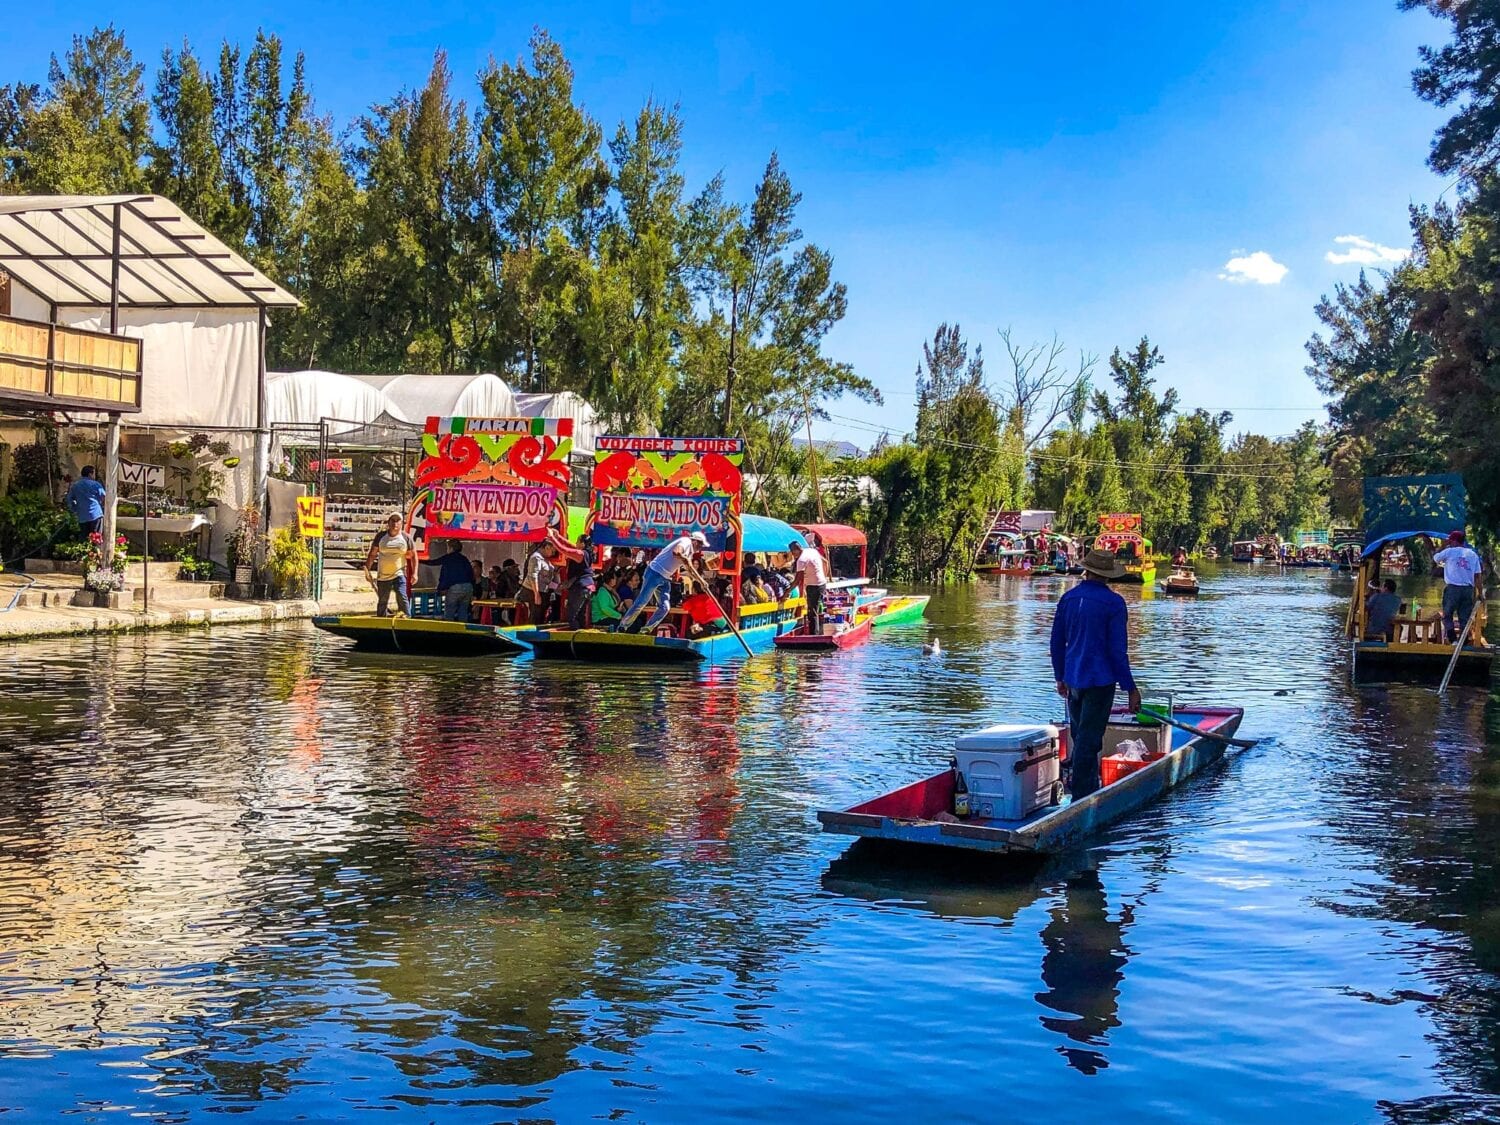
657, 582
1463, 583
810, 571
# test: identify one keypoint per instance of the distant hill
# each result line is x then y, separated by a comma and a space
834, 449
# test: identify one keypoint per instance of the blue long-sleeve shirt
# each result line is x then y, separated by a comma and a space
1088, 638
86, 500
454, 570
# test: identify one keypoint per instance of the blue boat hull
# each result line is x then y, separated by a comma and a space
598, 646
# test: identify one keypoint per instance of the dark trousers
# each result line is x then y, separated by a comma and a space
1088, 715
88, 527
814, 608
1458, 603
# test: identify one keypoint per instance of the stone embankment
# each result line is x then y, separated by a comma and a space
45, 605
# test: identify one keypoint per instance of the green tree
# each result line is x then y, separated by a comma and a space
1458, 265
187, 165
1463, 71
88, 133
547, 184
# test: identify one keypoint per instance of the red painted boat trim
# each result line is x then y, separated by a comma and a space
855, 634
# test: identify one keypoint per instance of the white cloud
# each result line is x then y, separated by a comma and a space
1258, 267
1364, 252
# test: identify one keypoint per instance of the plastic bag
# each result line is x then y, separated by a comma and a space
1131, 750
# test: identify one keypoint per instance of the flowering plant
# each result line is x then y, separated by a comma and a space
99, 576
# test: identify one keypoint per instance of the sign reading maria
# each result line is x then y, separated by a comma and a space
494, 478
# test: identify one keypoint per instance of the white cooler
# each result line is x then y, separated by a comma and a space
1011, 769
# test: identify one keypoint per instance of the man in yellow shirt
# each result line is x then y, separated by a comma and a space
391, 567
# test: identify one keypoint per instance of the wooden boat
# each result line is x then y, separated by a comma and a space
1182, 580
760, 625
897, 609
1397, 511
842, 637
423, 636
1242, 552
919, 814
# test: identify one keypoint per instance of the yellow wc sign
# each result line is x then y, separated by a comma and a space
310, 516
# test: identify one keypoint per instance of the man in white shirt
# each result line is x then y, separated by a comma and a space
393, 559
657, 582
810, 572
1463, 582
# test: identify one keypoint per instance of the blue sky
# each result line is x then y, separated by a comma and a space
1083, 169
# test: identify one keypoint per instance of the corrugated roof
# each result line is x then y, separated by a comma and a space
62, 248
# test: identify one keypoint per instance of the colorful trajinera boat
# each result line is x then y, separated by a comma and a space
423, 636
1012, 789
1263, 548
1399, 510
648, 491
480, 480
1020, 545
1120, 532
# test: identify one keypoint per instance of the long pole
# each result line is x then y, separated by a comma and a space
707, 589
146, 535
1459, 647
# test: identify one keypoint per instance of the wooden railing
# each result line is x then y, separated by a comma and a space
50, 366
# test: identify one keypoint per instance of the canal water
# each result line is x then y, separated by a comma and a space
248, 871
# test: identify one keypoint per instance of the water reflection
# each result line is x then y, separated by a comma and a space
1084, 952
1083, 968
249, 870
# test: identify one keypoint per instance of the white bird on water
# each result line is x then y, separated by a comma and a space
935, 648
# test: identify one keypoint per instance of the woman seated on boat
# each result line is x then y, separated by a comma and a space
605, 607
754, 590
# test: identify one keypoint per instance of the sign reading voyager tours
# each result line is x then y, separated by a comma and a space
650, 490
494, 478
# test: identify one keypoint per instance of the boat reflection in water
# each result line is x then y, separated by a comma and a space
1084, 949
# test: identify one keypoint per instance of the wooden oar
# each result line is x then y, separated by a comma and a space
1147, 714
707, 589
1459, 647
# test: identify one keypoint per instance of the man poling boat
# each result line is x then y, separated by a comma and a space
1089, 657
661, 571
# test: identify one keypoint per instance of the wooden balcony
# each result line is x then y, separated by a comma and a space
50, 367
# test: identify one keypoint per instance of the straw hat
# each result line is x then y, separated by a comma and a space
1104, 564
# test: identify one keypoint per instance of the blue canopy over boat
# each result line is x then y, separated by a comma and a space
764, 535
1405, 507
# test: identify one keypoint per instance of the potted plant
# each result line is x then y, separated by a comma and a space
245, 542
101, 578
289, 562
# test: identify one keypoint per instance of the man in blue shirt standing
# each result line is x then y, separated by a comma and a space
86, 501
1088, 659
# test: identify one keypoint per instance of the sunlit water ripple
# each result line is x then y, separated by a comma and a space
248, 870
